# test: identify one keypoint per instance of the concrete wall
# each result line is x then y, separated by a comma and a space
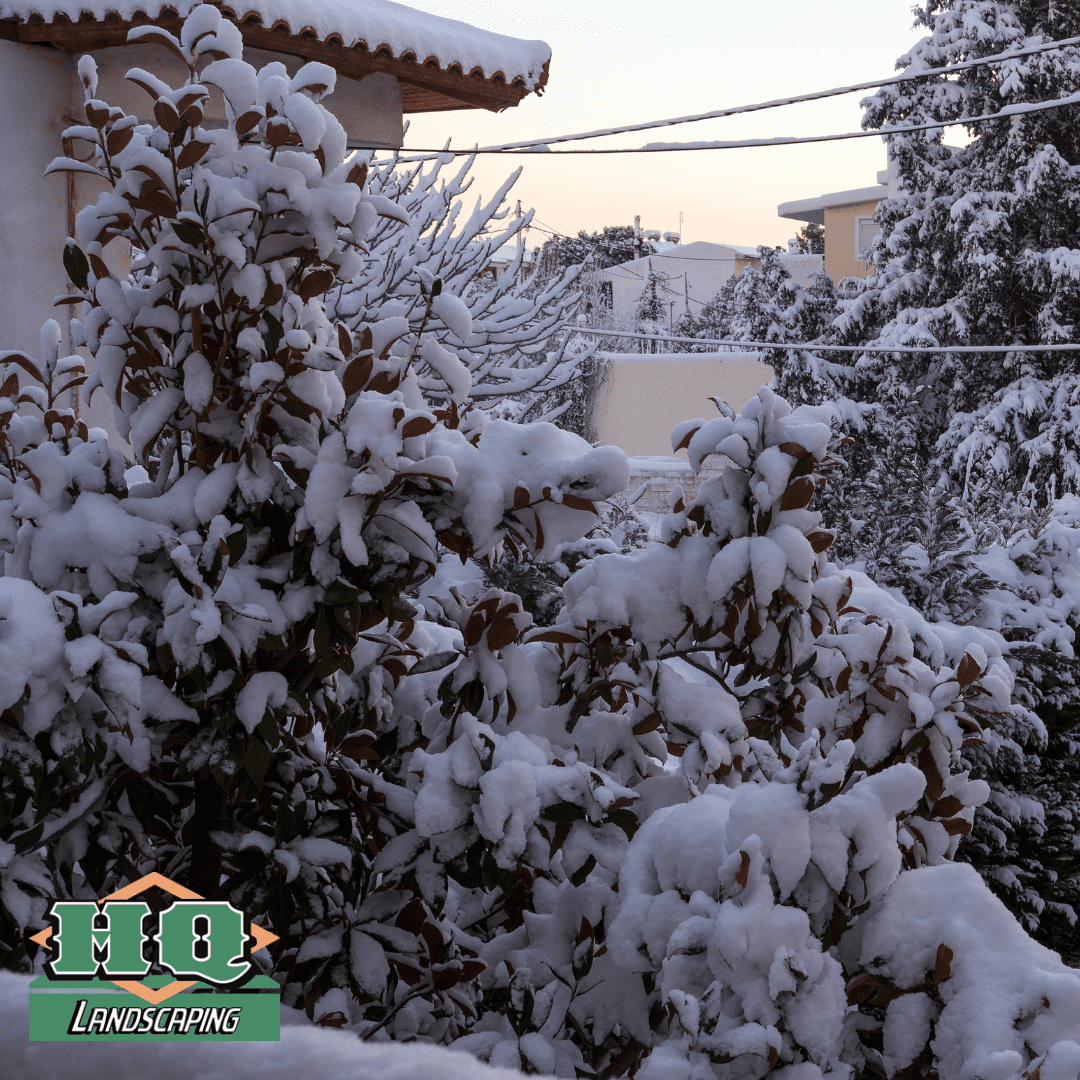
661, 475
38, 94
840, 257
803, 268
642, 397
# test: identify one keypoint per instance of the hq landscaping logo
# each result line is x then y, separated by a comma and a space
98, 985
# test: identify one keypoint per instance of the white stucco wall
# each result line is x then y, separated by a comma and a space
37, 93
692, 284
803, 268
642, 397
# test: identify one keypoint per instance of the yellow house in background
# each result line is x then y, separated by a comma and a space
850, 228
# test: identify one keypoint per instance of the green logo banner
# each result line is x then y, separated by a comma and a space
98, 985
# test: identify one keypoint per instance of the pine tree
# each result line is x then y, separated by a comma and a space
651, 312
711, 320
768, 305
979, 249
811, 239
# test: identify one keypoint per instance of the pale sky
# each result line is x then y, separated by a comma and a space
627, 61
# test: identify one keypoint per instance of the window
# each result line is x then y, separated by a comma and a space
866, 232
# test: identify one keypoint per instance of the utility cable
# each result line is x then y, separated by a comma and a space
776, 103
542, 145
820, 346
1018, 109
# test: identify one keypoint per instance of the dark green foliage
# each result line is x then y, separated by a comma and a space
610, 247
811, 239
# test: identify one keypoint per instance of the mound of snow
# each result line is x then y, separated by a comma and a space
304, 1050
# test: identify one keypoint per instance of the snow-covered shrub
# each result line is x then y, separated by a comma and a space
211, 664
978, 247
497, 326
666, 816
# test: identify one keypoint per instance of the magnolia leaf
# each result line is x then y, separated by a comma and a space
650, 723
187, 232
743, 874
502, 633
192, 154
556, 637
246, 121
356, 375
166, 116
76, 265
798, 494
577, 503
118, 139
968, 670
474, 629
435, 661
315, 284
418, 425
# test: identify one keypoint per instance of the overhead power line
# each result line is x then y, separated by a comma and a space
821, 346
530, 145
1017, 109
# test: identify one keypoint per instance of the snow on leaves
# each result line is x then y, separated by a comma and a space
207, 657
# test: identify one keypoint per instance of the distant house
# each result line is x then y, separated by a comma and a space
850, 228
390, 60
688, 276
505, 255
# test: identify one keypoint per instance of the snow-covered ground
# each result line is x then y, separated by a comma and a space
304, 1050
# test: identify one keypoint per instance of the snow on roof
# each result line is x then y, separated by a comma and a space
699, 250
507, 252
372, 25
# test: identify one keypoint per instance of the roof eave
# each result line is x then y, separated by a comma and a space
813, 210
425, 86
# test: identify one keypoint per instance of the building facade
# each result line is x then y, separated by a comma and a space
850, 225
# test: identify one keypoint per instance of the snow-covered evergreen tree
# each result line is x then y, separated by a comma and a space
613, 245
982, 247
979, 249
652, 309
766, 304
